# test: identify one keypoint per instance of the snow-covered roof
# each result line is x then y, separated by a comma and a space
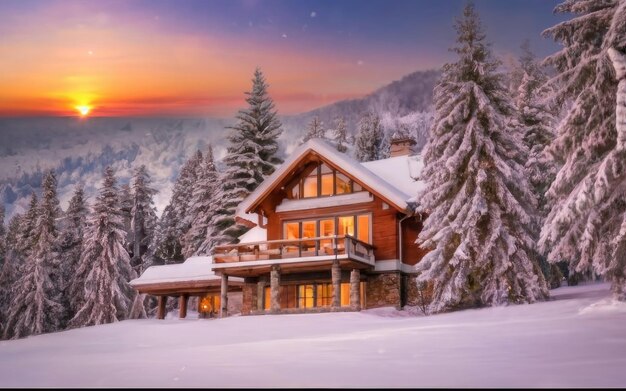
396, 188
400, 172
255, 234
194, 269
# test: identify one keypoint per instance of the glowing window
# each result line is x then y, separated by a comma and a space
267, 299
345, 294
363, 228
343, 184
308, 229
305, 296
291, 231
324, 295
345, 225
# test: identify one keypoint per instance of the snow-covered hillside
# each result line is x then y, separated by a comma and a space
576, 340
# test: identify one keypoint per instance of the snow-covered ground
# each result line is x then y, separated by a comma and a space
576, 340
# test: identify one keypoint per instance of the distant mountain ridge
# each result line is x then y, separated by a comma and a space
412, 93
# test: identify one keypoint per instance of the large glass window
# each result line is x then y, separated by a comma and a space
324, 295
343, 184
305, 296
309, 295
321, 181
345, 225
358, 226
363, 228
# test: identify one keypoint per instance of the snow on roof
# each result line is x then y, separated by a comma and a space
400, 172
388, 189
255, 234
196, 269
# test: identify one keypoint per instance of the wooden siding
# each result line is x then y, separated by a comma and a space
411, 252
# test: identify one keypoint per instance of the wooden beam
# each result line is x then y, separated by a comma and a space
182, 306
161, 309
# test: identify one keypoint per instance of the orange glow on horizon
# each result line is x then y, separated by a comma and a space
83, 110
134, 69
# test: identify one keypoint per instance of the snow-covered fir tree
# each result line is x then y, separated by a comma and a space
35, 306
104, 264
203, 206
24, 243
10, 269
71, 244
588, 203
369, 139
3, 246
143, 218
477, 199
536, 121
126, 205
175, 220
340, 134
251, 156
315, 129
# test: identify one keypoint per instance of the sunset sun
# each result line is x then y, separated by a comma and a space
83, 110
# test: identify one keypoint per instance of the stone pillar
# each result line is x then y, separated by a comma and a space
161, 309
182, 306
224, 297
335, 273
355, 289
275, 289
260, 295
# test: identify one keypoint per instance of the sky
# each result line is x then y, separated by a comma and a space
177, 58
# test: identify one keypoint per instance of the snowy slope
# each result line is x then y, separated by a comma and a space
576, 340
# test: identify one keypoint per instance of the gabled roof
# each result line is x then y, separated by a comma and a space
389, 191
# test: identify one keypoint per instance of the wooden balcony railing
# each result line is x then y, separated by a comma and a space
296, 248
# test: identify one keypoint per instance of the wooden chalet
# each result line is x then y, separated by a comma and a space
328, 234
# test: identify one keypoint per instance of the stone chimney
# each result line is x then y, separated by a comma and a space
401, 145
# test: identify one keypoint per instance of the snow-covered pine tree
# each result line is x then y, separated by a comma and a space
537, 121
369, 138
251, 156
25, 242
9, 271
315, 129
71, 243
616, 269
204, 204
104, 264
143, 218
583, 226
3, 246
476, 197
175, 220
35, 306
341, 134
126, 205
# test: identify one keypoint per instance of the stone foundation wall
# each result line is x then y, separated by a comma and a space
249, 299
383, 290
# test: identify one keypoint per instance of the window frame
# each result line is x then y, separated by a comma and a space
299, 183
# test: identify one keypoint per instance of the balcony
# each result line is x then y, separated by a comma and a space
250, 259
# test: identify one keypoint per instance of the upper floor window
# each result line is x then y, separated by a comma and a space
319, 181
